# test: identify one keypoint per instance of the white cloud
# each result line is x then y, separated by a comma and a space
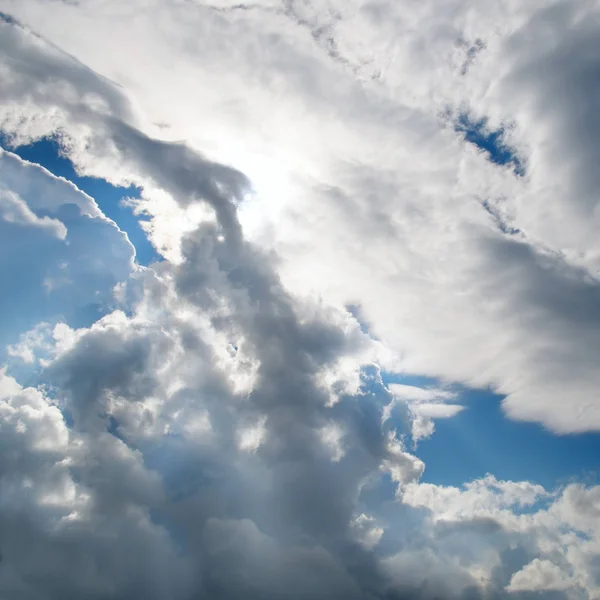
478, 499
379, 176
411, 393
30, 343
228, 432
522, 536
61, 493
367, 530
539, 575
40, 189
425, 405
424, 415
251, 437
437, 411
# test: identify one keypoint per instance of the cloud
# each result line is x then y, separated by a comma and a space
510, 534
380, 177
41, 189
425, 405
66, 500
290, 517
539, 575
438, 411
411, 393
14, 210
226, 432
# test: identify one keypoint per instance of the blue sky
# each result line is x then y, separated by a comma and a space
484, 441
46, 152
481, 440
492, 142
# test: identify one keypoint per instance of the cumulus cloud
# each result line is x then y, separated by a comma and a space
539, 575
220, 427
533, 540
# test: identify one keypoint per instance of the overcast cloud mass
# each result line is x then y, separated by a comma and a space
314, 176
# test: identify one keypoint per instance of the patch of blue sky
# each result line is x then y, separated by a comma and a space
7, 18
490, 141
47, 153
51, 280
481, 440
356, 311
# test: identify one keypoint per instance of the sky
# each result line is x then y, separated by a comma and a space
46, 153
300, 300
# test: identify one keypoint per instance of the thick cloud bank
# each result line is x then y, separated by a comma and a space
216, 425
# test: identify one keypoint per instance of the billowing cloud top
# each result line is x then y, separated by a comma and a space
341, 194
